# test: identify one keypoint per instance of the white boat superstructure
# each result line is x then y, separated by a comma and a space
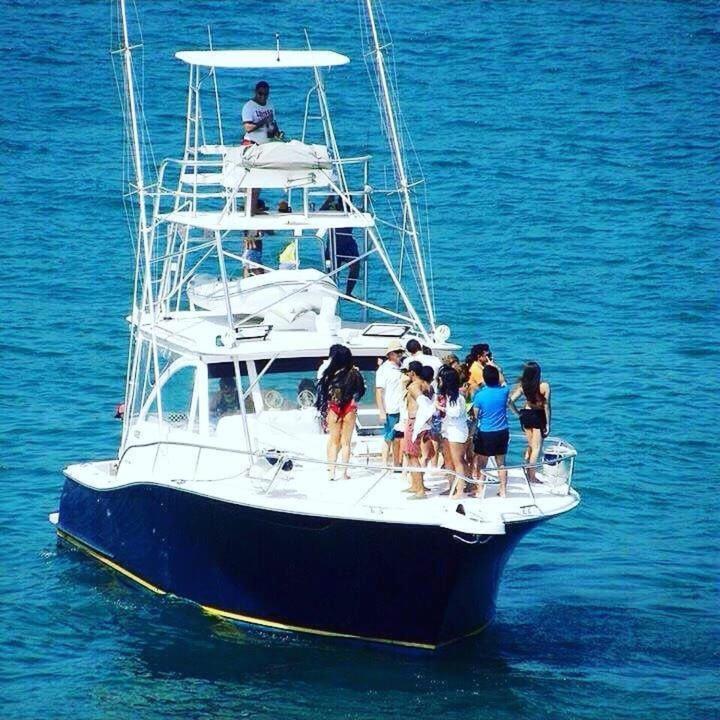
195, 297
199, 317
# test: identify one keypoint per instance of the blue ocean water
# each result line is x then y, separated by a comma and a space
571, 156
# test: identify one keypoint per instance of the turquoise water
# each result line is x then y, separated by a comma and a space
571, 155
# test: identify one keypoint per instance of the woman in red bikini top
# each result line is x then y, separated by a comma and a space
339, 389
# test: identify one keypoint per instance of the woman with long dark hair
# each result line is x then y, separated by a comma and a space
450, 400
339, 389
535, 416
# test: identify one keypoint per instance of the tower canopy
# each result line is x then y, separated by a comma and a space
267, 59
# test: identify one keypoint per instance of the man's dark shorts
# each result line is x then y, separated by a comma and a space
492, 443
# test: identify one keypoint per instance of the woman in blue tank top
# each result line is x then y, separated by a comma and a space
490, 403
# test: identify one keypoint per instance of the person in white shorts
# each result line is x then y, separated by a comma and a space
451, 403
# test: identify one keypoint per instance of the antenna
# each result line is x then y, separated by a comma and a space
144, 229
401, 175
217, 94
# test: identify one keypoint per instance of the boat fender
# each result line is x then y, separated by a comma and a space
274, 455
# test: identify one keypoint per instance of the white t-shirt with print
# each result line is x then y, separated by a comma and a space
254, 112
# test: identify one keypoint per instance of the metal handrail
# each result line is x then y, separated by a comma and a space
282, 456
221, 163
185, 164
571, 453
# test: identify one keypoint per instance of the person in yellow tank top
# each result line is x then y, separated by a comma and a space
480, 355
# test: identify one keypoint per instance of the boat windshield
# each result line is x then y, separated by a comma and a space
283, 385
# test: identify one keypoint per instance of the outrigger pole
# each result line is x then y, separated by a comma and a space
399, 163
144, 229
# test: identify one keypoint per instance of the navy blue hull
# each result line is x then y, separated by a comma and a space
410, 584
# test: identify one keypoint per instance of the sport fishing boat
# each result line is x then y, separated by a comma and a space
219, 493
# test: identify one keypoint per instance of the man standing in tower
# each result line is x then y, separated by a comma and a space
258, 116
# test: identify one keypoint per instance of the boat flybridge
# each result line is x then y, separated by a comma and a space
220, 493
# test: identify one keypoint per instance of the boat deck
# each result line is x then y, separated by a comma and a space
369, 494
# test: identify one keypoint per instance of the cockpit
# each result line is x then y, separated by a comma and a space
201, 397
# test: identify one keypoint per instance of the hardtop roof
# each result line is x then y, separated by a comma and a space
267, 59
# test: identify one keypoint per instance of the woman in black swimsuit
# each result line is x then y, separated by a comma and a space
535, 416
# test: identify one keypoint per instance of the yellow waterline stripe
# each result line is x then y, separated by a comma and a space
85, 548
259, 621
472, 633
313, 631
328, 633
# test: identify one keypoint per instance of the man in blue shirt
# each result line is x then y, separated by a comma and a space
341, 248
490, 403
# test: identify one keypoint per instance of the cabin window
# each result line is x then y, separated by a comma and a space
223, 398
179, 402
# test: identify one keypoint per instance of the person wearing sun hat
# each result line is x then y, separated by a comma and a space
388, 396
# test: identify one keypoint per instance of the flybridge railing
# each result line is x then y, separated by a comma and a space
211, 185
204, 184
556, 468
227, 208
